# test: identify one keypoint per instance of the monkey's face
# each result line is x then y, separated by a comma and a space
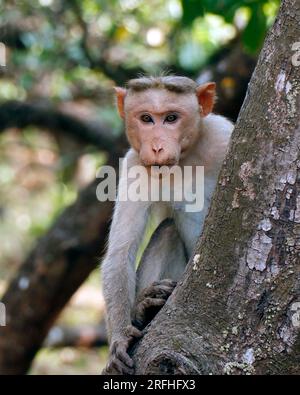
161, 125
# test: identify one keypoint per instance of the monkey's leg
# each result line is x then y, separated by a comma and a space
161, 266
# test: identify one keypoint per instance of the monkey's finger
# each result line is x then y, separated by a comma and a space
119, 367
166, 281
158, 293
158, 289
142, 308
145, 304
133, 332
122, 355
163, 289
105, 371
110, 368
152, 302
169, 282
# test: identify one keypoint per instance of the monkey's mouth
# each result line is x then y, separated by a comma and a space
159, 165
160, 169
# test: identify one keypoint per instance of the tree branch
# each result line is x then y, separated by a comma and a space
11, 36
53, 271
21, 114
83, 336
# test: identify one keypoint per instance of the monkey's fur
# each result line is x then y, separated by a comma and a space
168, 122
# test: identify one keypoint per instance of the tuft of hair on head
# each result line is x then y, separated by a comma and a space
172, 83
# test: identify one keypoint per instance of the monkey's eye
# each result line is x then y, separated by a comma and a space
171, 118
146, 118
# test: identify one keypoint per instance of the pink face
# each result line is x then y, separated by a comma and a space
161, 125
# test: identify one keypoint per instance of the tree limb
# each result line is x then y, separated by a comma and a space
83, 336
53, 271
21, 114
11, 36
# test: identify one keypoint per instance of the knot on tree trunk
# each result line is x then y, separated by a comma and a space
168, 362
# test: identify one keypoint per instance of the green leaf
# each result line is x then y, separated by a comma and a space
255, 31
194, 8
191, 10
221, 7
231, 9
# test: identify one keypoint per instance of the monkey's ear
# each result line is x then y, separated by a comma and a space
120, 95
206, 95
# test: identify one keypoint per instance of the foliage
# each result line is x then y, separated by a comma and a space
70, 47
256, 14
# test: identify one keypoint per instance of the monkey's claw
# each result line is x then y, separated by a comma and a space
151, 300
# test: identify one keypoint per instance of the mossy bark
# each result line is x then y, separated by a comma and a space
237, 309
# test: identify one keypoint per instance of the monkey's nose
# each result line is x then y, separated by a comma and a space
157, 148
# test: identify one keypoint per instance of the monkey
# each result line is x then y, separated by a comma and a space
168, 122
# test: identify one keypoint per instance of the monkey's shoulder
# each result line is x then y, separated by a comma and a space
213, 144
218, 127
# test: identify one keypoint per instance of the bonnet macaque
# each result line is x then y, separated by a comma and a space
168, 122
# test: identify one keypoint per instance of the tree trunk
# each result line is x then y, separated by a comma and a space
237, 308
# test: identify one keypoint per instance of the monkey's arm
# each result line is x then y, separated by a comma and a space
118, 275
118, 268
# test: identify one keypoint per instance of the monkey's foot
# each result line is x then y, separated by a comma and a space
120, 362
151, 300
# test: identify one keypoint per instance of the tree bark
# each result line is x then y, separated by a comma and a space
236, 310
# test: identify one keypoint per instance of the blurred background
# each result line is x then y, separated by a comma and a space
59, 62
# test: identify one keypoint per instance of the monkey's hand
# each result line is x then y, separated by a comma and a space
119, 361
151, 300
